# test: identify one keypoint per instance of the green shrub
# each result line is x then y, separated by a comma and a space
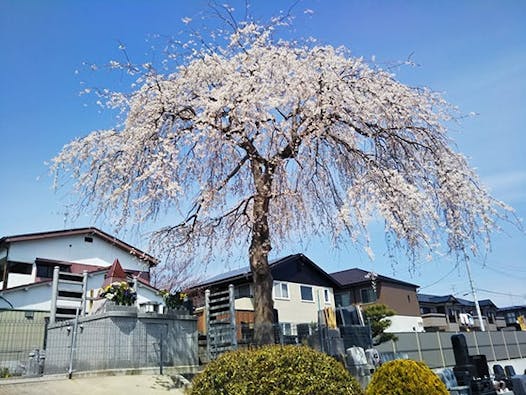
405, 377
283, 370
4, 373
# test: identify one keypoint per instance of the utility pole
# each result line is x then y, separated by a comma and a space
477, 306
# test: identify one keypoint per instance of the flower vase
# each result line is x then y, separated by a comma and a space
112, 306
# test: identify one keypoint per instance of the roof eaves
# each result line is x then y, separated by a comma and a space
32, 285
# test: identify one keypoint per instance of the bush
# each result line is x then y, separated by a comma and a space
405, 377
268, 370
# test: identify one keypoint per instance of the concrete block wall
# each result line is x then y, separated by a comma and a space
436, 350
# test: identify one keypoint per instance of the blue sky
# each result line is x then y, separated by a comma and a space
472, 51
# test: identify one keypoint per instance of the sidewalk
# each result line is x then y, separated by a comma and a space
94, 385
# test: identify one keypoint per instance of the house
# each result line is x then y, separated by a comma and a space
27, 263
452, 314
301, 289
359, 287
512, 316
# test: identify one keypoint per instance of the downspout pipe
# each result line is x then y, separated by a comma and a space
4, 275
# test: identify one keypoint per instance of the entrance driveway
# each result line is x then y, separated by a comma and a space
94, 385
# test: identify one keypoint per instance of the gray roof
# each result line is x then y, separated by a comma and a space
513, 308
232, 273
440, 299
427, 298
244, 273
236, 273
356, 276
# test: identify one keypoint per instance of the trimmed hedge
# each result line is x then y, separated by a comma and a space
405, 377
283, 370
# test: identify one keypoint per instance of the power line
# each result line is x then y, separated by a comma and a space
503, 273
442, 278
501, 293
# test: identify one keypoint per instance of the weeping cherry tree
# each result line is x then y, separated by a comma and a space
256, 140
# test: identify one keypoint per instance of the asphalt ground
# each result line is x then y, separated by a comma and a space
93, 385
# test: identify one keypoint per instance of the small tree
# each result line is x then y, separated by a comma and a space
253, 140
376, 315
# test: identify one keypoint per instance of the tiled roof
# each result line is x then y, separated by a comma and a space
245, 272
426, 298
440, 299
115, 273
513, 308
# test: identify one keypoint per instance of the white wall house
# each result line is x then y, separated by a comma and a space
29, 258
27, 262
299, 303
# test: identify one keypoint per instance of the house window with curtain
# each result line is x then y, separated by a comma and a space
281, 290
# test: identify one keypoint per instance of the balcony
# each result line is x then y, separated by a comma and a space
435, 321
500, 322
438, 322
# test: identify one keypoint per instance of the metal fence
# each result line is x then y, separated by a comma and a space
30, 346
22, 339
122, 340
316, 336
436, 350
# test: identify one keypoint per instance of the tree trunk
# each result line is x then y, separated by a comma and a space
260, 246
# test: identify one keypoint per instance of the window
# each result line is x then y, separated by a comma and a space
368, 295
326, 296
511, 318
46, 271
286, 328
306, 293
452, 315
281, 290
19, 267
243, 291
342, 299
